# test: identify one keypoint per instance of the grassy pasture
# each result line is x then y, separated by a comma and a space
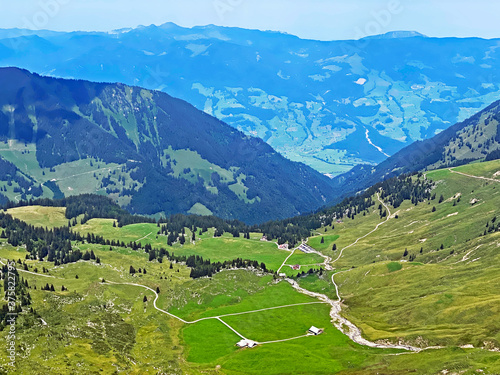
215, 249
51, 217
329, 240
304, 259
447, 296
226, 294
280, 324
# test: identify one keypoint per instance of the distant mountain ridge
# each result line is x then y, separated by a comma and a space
400, 34
152, 153
332, 105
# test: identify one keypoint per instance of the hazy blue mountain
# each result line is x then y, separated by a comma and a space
332, 105
397, 35
152, 153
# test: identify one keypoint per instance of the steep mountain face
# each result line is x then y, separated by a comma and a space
331, 105
150, 152
476, 138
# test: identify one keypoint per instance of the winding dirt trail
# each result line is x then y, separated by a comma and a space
32, 273
341, 323
288, 257
471, 176
366, 235
219, 317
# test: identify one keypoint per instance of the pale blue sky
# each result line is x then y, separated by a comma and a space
315, 19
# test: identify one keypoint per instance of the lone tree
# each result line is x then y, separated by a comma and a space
145, 299
405, 253
322, 239
334, 247
131, 270
157, 290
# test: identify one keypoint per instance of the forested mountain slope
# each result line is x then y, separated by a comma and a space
152, 153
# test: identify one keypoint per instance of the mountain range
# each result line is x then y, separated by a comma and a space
332, 105
157, 155
152, 153
477, 138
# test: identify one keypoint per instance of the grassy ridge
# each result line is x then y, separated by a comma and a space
51, 217
215, 249
449, 295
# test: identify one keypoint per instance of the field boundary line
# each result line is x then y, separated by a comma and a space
270, 308
219, 318
276, 341
143, 238
154, 302
231, 328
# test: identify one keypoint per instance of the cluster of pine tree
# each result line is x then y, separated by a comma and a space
494, 155
177, 223
492, 226
311, 271
201, 268
53, 244
415, 188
